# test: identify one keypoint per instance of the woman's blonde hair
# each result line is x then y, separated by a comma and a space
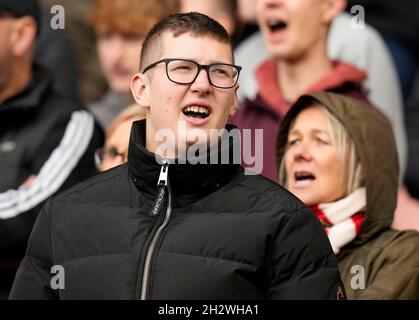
348, 158
133, 113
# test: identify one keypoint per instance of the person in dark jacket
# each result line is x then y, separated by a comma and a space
338, 155
168, 228
47, 142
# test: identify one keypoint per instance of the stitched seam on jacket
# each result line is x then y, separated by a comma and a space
208, 257
96, 256
65, 194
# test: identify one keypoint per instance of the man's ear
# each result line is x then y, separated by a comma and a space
23, 36
332, 8
140, 89
233, 108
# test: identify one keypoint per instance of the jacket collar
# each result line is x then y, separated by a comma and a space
30, 97
188, 182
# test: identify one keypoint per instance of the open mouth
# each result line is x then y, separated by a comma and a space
277, 25
304, 176
196, 112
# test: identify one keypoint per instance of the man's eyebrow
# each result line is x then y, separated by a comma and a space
223, 62
210, 62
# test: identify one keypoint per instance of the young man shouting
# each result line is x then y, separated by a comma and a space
155, 228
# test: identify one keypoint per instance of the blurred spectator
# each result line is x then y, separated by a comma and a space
406, 216
407, 213
223, 11
120, 28
115, 151
46, 141
247, 16
363, 48
226, 12
412, 124
333, 151
91, 83
247, 10
55, 52
398, 22
296, 36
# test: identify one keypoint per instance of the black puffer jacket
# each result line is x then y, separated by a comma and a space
217, 234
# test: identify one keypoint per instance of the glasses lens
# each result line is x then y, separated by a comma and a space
223, 75
182, 71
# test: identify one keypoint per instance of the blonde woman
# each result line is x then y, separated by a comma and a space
339, 157
115, 151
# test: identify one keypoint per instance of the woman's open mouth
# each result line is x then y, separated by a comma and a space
303, 179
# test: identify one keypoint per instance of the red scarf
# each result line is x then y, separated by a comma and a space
343, 219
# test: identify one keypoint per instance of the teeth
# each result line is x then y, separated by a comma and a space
196, 109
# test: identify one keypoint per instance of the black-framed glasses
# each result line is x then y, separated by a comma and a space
183, 71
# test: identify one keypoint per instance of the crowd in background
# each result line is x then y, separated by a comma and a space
66, 107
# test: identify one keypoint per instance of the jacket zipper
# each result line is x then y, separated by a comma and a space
164, 184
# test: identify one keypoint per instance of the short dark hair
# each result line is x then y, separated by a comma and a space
197, 24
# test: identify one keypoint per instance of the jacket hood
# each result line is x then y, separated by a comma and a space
267, 79
374, 141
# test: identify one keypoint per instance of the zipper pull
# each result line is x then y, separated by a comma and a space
161, 193
163, 174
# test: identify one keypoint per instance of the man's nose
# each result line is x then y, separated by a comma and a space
201, 83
